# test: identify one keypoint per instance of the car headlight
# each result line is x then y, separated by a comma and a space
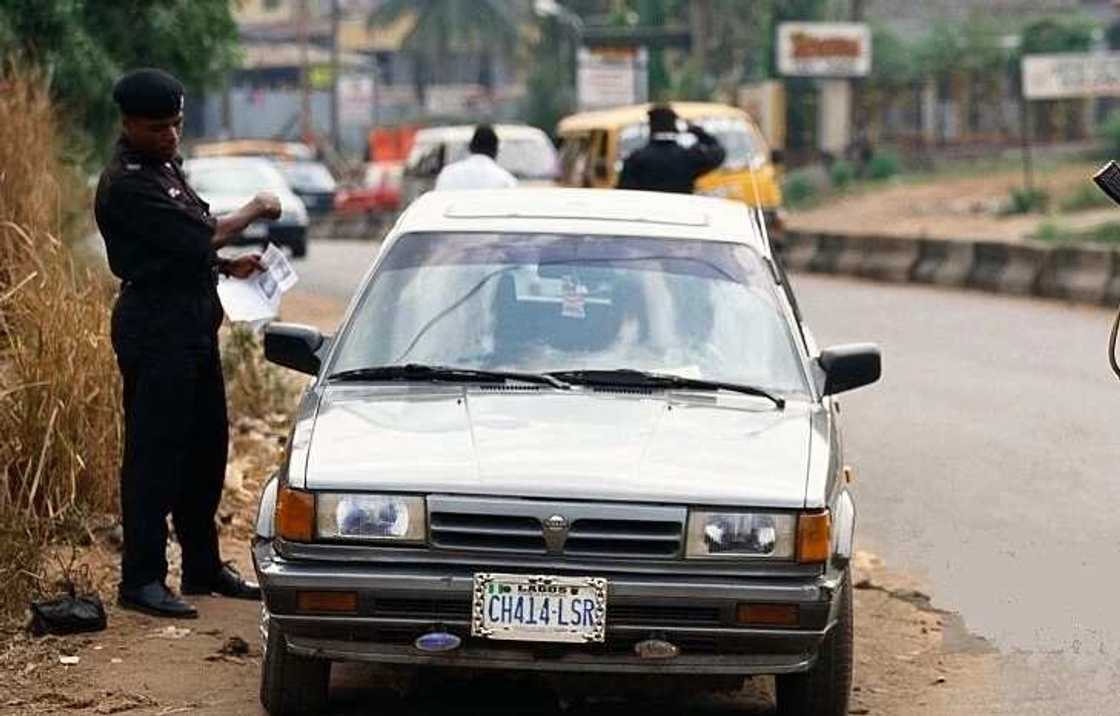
380, 518
731, 535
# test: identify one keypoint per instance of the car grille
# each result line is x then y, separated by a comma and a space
587, 530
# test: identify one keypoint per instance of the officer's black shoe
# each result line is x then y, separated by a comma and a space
228, 583
157, 600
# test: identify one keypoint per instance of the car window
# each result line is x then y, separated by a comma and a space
235, 178
743, 147
563, 302
308, 175
523, 157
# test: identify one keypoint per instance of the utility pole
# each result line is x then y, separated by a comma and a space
336, 135
305, 74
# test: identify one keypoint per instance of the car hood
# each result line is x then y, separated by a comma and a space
657, 447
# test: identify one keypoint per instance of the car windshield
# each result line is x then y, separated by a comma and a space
235, 178
735, 135
308, 175
525, 158
540, 303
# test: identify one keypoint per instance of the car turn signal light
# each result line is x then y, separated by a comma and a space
337, 602
786, 615
295, 514
814, 537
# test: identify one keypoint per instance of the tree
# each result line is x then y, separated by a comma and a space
85, 44
441, 27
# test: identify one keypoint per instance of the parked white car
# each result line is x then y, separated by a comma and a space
227, 183
565, 431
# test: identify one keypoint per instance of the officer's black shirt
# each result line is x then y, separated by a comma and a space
158, 235
664, 165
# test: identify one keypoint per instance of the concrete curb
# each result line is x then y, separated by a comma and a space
1082, 274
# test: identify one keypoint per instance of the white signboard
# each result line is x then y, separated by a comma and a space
1067, 75
610, 77
824, 49
355, 99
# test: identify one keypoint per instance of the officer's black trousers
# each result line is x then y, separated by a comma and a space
176, 442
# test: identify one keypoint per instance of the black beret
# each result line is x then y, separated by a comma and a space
149, 93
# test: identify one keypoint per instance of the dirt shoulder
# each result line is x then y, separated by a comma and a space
952, 207
910, 658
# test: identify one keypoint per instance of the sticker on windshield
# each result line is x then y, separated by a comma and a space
573, 299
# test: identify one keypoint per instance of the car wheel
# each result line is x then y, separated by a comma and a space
299, 249
824, 689
292, 685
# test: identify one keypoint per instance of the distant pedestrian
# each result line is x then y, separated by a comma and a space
479, 170
663, 164
161, 241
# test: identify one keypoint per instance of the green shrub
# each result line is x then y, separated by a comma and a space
842, 173
1049, 232
1027, 201
1087, 196
883, 165
798, 190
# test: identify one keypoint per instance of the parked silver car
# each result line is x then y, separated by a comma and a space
565, 431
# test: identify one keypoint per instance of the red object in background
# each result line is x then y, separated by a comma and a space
380, 191
391, 144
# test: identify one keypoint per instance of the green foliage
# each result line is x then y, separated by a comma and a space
1065, 34
884, 164
444, 26
893, 63
1050, 232
1027, 201
798, 190
86, 44
1086, 196
842, 173
1109, 135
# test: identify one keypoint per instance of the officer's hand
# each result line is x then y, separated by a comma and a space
244, 266
267, 205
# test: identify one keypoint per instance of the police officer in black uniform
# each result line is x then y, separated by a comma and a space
161, 242
663, 164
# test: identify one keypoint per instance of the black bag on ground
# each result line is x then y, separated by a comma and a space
68, 614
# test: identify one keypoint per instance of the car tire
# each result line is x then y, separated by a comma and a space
292, 685
299, 249
824, 689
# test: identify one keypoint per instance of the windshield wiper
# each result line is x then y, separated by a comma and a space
645, 379
424, 372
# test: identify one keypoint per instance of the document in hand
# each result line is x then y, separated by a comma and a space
257, 298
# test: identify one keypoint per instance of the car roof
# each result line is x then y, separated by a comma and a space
637, 114
606, 212
464, 132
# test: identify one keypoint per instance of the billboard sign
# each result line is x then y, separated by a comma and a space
612, 76
1069, 75
824, 49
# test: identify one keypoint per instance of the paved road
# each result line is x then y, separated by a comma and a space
985, 464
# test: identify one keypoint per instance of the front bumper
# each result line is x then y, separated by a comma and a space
399, 602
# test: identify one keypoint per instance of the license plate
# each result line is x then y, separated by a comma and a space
255, 231
521, 607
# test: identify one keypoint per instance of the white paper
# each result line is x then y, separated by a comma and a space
257, 298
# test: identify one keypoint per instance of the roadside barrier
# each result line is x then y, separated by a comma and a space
1083, 274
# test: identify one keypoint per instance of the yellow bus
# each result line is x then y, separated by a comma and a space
593, 146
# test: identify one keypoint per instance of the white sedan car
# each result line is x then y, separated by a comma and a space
565, 431
227, 183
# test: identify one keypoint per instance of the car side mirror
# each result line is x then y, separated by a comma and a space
850, 366
294, 346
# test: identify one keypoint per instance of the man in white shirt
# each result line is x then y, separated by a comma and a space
479, 170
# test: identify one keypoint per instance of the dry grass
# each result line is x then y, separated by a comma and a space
60, 428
